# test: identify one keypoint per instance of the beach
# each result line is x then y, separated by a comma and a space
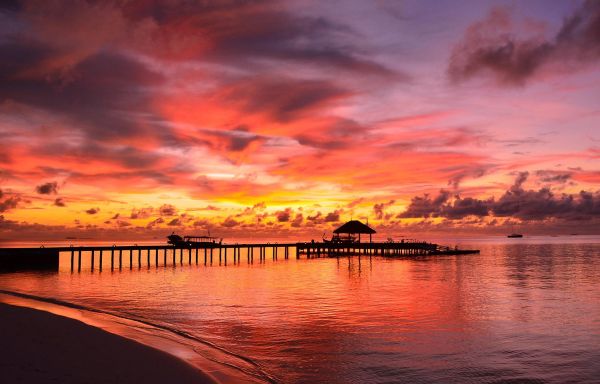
40, 347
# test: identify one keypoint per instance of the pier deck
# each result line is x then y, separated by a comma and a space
130, 256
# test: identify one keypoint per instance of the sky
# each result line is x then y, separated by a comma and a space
137, 118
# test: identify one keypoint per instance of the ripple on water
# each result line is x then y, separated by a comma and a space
516, 313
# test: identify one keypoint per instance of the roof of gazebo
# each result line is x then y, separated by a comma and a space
354, 226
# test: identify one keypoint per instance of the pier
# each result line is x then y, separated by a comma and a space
119, 257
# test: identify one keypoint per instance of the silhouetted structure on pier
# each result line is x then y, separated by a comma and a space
351, 229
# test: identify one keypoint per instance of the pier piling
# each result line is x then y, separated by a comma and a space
309, 250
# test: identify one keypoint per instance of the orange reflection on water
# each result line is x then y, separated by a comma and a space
512, 312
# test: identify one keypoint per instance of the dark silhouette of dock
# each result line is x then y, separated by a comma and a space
138, 256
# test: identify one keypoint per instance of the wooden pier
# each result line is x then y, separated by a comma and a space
138, 256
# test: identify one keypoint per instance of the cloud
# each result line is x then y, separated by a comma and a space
380, 208
99, 89
142, 213
516, 202
9, 203
491, 47
298, 220
252, 33
283, 216
155, 222
167, 210
463, 207
333, 217
355, 202
47, 188
59, 202
201, 223
425, 206
92, 211
553, 177
260, 206
316, 219
230, 222
521, 178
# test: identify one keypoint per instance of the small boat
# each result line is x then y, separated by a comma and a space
515, 235
192, 241
337, 239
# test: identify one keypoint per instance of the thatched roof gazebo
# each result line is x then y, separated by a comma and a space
355, 227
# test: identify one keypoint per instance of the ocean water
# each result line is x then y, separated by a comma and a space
522, 311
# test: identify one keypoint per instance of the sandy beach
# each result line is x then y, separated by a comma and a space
40, 347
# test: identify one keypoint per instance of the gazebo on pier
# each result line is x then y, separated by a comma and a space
354, 227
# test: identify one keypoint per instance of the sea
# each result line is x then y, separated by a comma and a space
521, 311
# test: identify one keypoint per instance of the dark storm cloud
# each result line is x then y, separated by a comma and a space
489, 46
47, 188
515, 202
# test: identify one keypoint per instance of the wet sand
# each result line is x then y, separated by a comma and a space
40, 347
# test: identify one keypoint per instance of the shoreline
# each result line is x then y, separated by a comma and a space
128, 350
41, 347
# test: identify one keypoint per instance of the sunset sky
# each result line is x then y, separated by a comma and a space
273, 118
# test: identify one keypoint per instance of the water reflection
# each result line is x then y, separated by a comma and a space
514, 312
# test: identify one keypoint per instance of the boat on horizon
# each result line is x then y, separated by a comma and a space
515, 235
